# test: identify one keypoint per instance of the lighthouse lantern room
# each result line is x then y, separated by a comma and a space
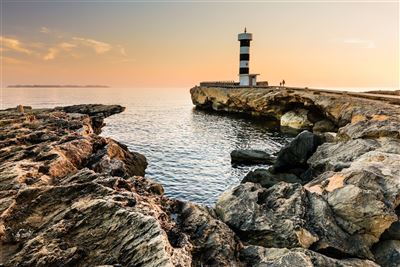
245, 79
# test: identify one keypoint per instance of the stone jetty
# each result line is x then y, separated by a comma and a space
70, 197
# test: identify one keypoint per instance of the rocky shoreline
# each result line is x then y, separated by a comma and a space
70, 197
334, 190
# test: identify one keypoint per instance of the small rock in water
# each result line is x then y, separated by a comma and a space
267, 179
242, 156
293, 157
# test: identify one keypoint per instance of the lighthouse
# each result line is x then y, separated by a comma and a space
245, 79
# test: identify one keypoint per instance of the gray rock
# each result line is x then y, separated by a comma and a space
296, 119
337, 156
267, 179
293, 157
282, 257
215, 244
242, 156
286, 215
324, 126
387, 253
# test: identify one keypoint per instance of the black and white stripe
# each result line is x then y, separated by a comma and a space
244, 56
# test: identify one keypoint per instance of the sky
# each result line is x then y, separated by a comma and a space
181, 43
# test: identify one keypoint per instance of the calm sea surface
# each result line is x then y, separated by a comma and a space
187, 150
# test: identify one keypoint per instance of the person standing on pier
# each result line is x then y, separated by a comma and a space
283, 83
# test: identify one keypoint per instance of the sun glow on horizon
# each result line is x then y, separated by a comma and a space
180, 44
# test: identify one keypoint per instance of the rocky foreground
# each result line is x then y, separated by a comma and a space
333, 191
69, 197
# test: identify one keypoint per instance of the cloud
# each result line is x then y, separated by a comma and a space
14, 45
51, 53
122, 50
97, 46
67, 46
74, 47
11, 60
363, 43
44, 30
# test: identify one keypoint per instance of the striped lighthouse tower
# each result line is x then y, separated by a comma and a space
245, 79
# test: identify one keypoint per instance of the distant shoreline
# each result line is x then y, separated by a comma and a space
56, 86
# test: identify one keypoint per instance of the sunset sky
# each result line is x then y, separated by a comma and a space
180, 43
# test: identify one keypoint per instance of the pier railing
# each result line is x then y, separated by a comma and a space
220, 83
232, 84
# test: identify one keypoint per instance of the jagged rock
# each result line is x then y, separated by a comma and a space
378, 118
324, 126
214, 242
293, 157
268, 217
116, 159
296, 119
363, 196
351, 202
282, 257
242, 156
70, 225
93, 109
387, 253
374, 127
286, 215
96, 112
267, 179
335, 157
69, 197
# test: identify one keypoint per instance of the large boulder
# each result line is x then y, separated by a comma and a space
285, 216
243, 156
296, 120
266, 178
387, 253
293, 157
214, 243
364, 196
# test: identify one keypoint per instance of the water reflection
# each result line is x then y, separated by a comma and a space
188, 150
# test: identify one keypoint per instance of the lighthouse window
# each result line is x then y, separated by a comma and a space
244, 56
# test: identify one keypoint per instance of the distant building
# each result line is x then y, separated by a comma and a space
245, 79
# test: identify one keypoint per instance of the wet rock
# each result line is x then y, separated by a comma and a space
266, 178
251, 157
387, 253
293, 157
296, 119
